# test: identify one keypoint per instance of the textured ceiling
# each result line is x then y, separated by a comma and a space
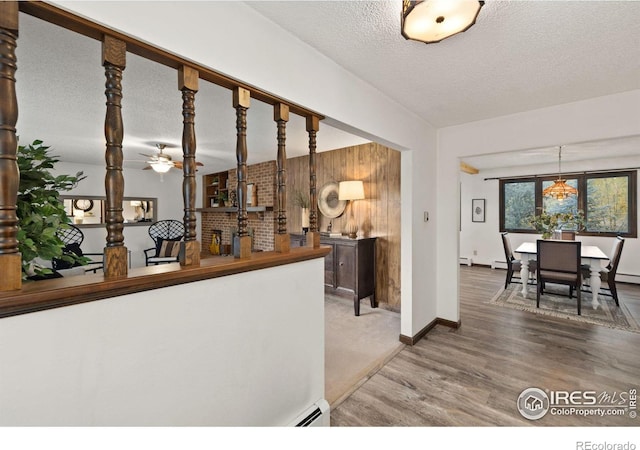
61, 99
520, 55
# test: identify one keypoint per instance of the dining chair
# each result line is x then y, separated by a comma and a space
559, 263
513, 265
608, 273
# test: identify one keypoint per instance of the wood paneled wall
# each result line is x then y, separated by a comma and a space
377, 215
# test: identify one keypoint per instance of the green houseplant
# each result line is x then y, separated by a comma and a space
546, 224
39, 208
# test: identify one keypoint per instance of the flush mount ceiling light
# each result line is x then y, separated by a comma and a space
431, 21
560, 189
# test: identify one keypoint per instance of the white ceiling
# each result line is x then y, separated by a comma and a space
520, 55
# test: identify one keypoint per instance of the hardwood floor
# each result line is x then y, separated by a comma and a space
473, 376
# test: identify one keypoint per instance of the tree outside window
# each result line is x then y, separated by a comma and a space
607, 200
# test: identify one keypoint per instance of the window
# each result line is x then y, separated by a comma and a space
519, 204
608, 201
608, 205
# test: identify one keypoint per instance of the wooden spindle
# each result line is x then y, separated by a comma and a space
242, 241
282, 242
188, 84
313, 236
114, 62
10, 258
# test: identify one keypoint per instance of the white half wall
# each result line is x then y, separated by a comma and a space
240, 350
595, 119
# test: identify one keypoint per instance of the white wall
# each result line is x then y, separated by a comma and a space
484, 238
210, 353
138, 183
256, 57
595, 119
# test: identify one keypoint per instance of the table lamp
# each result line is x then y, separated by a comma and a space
351, 190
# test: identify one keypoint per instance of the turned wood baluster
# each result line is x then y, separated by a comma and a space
188, 84
313, 236
10, 258
241, 102
114, 61
282, 242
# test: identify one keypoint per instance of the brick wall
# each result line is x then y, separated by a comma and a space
263, 175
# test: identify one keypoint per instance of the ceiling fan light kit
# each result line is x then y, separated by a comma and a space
161, 166
162, 162
431, 21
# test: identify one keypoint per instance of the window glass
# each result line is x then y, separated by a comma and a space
568, 205
608, 204
519, 204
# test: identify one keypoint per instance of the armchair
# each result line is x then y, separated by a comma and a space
166, 236
72, 237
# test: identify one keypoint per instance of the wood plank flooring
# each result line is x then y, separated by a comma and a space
473, 376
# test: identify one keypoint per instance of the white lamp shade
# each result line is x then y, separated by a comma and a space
351, 190
161, 167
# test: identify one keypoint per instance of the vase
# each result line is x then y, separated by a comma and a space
305, 219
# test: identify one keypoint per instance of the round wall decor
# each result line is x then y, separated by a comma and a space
83, 204
328, 202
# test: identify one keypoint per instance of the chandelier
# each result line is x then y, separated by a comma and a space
560, 189
431, 21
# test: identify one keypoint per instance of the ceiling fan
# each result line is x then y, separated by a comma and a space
162, 162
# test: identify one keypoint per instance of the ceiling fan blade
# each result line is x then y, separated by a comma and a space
148, 156
147, 168
177, 165
198, 163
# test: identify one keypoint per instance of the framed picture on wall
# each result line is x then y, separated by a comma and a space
477, 209
250, 191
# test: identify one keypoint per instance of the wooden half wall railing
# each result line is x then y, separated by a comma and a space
115, 45
282, 242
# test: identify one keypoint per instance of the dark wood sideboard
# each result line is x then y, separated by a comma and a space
349, 268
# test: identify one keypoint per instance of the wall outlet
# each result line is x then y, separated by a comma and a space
475, 253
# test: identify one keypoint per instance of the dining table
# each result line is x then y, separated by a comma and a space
590, 255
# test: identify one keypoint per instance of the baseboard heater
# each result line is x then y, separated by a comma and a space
499, 265
317, 415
